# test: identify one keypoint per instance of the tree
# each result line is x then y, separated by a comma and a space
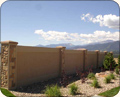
109, 62
119, 61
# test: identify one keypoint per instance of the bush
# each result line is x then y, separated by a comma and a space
95, 83
107, 79
119, 61
109, 62
112, 76
117, 70
91, 76
53, 91
73, 89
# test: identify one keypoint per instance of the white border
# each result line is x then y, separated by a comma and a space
117, 1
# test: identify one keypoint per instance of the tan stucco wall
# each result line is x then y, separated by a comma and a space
35, 64
23, 65
101, 58
73, 60
91, 59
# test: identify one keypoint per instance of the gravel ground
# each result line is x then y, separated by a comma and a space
84, 89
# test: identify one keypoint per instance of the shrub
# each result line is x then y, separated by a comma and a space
73, 89
64, 79
107, 79
112, 76
53, 91
95, 83
119, 61
117, 70
109, 62
91, 76
82, 76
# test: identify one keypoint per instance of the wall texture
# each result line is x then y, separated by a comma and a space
36, 64
91, 59
23, 65
101, 58
73, 60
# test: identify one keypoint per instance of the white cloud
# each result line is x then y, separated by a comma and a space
110, 21
97, 36
55, 35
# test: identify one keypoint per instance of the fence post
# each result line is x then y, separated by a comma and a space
62, 58
97, 53
8, 64
111, 53
105, 52
84, 58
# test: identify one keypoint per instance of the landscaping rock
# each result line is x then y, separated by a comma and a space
84, 89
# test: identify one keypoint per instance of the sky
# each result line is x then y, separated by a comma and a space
32, 23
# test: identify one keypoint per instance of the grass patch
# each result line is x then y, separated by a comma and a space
95, 84
117, 70
73, 89
91, 76
7, 93
110, 93
112, 76
53, 91
107, 79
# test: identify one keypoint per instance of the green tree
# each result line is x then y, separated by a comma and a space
119, 61
109, 62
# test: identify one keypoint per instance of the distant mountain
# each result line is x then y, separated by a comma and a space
67, 45
107, 41
110, 46
102, 42
40, 45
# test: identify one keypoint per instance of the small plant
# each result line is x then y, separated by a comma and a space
73, 89
119, 61
78, 72
95, 83
112, 76
91, 76
102, 69
117, 70
82, 76
90, 69
107, 79
64, 79
53, 91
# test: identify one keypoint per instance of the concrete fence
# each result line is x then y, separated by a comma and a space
23, 65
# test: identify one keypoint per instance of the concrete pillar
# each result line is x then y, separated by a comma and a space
8, 64
105, 52
97, 53
111, 53
62, 58
84, 59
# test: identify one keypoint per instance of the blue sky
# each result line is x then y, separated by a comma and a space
51, 22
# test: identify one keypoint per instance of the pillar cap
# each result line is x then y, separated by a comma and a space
105, 51
9, 42
60, 47
83, 49
97, 50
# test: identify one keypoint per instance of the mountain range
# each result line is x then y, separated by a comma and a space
67, 45
108, 45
